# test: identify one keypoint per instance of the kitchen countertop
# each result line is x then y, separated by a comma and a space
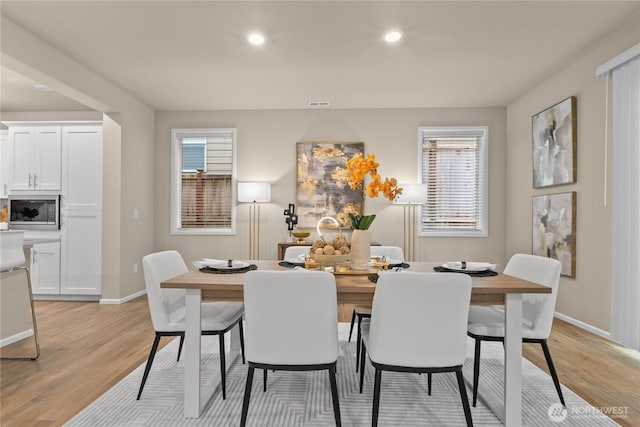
32, 237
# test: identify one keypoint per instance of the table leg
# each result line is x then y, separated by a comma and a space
192, 355
513, 361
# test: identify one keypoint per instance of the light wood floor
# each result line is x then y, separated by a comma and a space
88, 347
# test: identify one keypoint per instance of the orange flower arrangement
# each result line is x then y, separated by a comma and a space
358, 167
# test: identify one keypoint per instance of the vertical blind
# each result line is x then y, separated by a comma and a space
625, 231
206, 180
453, 167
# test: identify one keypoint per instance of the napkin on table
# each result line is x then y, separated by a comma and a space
471, 266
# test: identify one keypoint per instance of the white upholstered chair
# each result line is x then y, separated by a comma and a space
276, 339
391, 252
167, 308
296, 251
487, 323
418, 324
364, 311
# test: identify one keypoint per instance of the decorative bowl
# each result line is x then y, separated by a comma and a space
300, 235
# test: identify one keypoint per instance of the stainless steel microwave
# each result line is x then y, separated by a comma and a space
34, 212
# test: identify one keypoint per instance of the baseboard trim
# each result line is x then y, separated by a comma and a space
583, 325
123, 300
44, 297
17, 337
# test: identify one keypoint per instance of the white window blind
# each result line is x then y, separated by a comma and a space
625, 197
454, 167
202, 181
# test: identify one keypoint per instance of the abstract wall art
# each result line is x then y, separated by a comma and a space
554, 229
554, 145
319, 193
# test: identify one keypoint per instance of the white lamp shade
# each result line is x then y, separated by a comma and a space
254, 192
412, 194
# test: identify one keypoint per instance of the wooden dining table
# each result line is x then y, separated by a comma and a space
352, 289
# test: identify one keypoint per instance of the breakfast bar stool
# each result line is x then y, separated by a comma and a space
12, 249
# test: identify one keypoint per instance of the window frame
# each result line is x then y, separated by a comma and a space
176, 181
482, 132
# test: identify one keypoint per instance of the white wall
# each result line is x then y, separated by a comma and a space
267, 152
585, 298
128, 147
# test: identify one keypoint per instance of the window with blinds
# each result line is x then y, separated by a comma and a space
454, 167
203, 169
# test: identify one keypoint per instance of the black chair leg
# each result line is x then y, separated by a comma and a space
358, 343
223, 366
476, 370
264, 381
241, 339
363, 354
180, 347
429, 383
247, 396
353, 320
552, 370
376, 398
147, 368
463, 396
334, 395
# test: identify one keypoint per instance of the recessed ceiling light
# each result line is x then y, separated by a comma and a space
256, 39
392, 36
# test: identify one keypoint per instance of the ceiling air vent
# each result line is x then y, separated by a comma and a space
318, 103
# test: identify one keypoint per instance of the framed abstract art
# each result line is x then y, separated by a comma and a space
554, 229
318, 192
554, 145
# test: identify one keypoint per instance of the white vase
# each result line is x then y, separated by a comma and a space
360, 249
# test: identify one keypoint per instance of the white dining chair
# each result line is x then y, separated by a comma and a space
275, 340
487, 323
296, 251
418, 324
167, 307
360, 311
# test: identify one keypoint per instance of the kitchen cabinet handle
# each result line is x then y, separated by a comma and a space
29, 180
35, 177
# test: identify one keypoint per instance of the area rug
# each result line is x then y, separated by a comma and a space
303, 398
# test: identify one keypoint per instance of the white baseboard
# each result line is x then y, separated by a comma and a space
123, 300
583, 325
44, 297
17, 337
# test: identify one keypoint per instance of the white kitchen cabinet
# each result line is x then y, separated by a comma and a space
81, 210
45, 268
35, 158
4, 164
82, 168
81, 257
